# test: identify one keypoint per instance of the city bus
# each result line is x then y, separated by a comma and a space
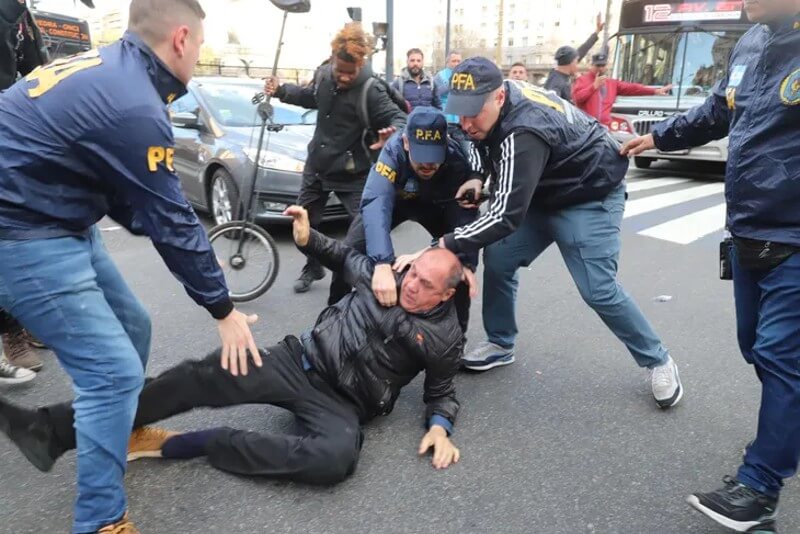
683, 43
63, 35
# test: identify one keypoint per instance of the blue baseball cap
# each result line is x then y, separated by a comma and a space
472, 81
426, 130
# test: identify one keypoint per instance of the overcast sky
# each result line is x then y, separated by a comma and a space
258, 22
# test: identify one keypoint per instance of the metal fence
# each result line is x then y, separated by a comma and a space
297, 76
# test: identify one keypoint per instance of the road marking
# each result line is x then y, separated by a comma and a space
644, 185
690, 228
665, 200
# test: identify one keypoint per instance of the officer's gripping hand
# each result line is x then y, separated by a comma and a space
637, 145
401, 263
444, 452
474, 185
384, 285
234, 332
301, 228
471, 281
271, 85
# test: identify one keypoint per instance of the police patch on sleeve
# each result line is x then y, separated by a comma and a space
737, 73
790, 89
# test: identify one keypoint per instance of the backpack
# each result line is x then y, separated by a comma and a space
369, 137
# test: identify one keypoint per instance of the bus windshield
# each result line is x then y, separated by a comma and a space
692, 61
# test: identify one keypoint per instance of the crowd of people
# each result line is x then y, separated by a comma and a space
550, 173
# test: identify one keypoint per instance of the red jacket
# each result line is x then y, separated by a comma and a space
587, 98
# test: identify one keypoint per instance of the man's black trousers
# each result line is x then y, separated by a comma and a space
314, 197
323, 448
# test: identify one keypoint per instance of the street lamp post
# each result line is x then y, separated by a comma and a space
390, 40
447, 34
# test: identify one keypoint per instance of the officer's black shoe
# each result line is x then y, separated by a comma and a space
737, 507
308, 275
30, 433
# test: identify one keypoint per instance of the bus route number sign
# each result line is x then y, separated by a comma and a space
693, 11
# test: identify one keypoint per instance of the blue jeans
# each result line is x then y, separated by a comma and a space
767, 326
69, 294
588, 236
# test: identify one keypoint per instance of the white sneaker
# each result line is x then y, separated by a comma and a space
667, 389
487, 356
11, 374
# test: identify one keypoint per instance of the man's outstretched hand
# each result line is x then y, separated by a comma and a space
301, 228
444, 452
234, 332
383, 135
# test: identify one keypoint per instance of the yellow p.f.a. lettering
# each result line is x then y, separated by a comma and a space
157, 154
428, 135
386, 171
463, 81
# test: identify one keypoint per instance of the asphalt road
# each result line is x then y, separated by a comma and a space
567, 440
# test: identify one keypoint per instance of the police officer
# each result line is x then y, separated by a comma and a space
558, 178
79, 141
415, 178
758, 107
559, 80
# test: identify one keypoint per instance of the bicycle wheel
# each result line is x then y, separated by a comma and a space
248, 256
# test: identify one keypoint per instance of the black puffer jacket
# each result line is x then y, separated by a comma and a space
336, 154
369, 352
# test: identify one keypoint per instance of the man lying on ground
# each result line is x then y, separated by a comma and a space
346, 370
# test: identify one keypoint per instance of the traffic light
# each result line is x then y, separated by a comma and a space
354, 13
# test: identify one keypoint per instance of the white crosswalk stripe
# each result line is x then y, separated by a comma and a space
690, 228
644, 185
665, 200
673, 215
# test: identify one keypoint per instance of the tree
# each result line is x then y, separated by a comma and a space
467, 41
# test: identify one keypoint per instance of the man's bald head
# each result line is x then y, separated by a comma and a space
173, 29
449, 263
431, 280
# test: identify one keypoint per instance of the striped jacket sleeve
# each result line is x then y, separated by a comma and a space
523, 157
475, 163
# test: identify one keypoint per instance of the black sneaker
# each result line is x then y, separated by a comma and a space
737, 507
32, 436
308, 275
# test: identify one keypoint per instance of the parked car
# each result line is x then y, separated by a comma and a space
216, 131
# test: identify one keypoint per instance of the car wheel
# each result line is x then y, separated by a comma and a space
224, 197
642, 163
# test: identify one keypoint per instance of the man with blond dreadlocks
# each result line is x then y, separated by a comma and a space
338, 156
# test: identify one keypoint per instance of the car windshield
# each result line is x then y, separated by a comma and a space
231, 105
692, 61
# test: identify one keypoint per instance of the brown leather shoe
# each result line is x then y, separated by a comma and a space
146, 442
18, 352
123, 526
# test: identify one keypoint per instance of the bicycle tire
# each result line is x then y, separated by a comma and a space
265, 239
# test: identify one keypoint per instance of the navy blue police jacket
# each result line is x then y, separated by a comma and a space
758, 106
88, 137
392, 180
